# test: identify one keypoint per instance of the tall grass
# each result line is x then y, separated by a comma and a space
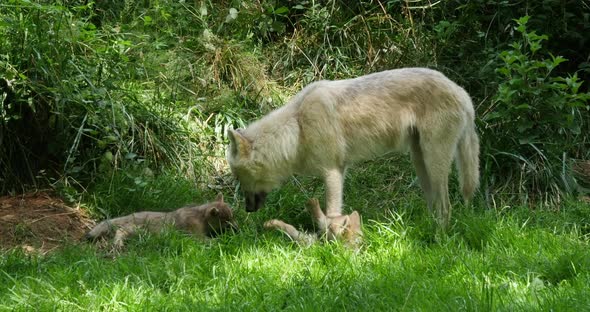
106, 89
545, 109
88, 101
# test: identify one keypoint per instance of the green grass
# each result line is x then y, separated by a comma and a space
513, 258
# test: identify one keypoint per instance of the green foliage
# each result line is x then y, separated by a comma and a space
537, 120
337, 41
101, 87
87, 101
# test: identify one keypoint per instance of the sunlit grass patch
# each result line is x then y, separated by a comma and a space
517, 265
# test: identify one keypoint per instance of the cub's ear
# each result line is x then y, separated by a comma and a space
238, 144
213, 211
219, 198
354, 221
346, 222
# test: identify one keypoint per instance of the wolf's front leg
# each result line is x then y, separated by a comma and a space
334, 180
121, 234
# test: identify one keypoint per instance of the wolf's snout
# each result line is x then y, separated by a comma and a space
254, 201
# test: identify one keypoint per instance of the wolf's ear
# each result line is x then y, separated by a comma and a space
238, 144
219, 198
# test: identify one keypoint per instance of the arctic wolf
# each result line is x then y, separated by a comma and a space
331, 124
202, 221
346, 228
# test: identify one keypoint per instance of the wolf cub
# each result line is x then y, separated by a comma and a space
346, 228
201, 221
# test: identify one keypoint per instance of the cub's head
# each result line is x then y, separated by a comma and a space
346, 228
219, 216
253, 168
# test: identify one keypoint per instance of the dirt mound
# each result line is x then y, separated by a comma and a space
40, 222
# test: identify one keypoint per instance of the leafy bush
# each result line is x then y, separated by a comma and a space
536, 121
80, 101
71, 103
90, 89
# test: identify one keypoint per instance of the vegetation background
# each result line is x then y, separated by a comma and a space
124, 105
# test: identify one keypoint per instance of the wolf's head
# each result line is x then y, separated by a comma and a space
253, 167
219, 216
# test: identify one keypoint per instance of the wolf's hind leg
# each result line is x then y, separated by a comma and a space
418, 160
438, 157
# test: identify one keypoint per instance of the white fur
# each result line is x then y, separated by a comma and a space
330, 125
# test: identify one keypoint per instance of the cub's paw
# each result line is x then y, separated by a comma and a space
274, 224
313, 203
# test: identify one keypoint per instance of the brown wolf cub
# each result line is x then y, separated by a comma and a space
202, 221
346, 228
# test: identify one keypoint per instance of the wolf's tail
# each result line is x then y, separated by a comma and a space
101, 229
468, 162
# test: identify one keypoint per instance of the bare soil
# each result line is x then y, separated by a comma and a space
40, 222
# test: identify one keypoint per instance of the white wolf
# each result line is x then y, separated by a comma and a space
332, 124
